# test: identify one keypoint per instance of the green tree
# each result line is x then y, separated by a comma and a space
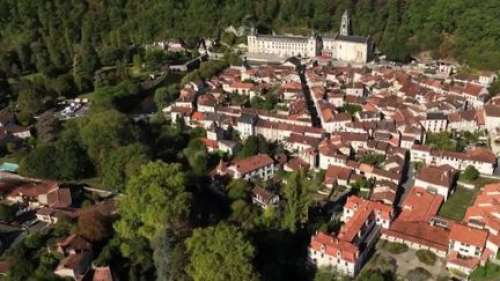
197, 156
220, 253
29, 102
298, 190
254, 145
103, 131
170, 257
35, 163
154, 199
470, 174
121, 164
7, 213
165, 95
72, 161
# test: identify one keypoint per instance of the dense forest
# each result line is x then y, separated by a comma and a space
56, 36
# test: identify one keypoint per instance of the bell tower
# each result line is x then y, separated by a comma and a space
345, 25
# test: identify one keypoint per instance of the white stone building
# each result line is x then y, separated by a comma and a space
342, 47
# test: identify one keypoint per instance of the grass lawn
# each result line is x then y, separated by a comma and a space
481, 181
457, 203
489, 272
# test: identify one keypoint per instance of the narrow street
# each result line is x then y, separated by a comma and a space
407, 185
316, 122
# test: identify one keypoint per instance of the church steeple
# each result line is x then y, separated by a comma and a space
345, 26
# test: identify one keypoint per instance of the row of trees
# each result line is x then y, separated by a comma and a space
76, 37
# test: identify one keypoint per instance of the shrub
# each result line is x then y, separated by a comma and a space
470, 174
426, 257
395, 248
418, 274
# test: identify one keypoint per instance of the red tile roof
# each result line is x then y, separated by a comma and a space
468, 235
332, 246
252, 163
103, 274
419, 232
468, 262
420, 205
441, 176
337, 172
34, 189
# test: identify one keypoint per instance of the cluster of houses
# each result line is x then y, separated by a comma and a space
373, 122
49, 202
76, 264
464, 245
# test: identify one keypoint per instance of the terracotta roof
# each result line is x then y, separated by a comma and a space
468, 262
419, 232
207, 100
486, 207
492, 110
482, 154
102, 274
59, 198
75, 242
296, 164
264, 194
468, 235
198, 116
252, 163
334, 173
210, 143
72, 261
332, 246
473, 90
420, 205
441, 176
34, 189
242, 85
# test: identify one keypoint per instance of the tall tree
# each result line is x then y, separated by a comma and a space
105, 130
220, 253
154, 199
298, 190
121, 164
170, 257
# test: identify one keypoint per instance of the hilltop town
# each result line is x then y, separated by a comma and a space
377, 132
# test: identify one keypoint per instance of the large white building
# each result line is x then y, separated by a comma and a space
342, 47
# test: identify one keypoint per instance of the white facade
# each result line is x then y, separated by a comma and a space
284, 46
343, 47
434, 188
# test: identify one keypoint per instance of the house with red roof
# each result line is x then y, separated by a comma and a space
416, 227
438, 180
347, 250
466, 248
258, 166
40, 194
337, 175
77, 252
483, 159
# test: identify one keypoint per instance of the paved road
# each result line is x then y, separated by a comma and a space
310, 103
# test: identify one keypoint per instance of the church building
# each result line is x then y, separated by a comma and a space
344, 46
